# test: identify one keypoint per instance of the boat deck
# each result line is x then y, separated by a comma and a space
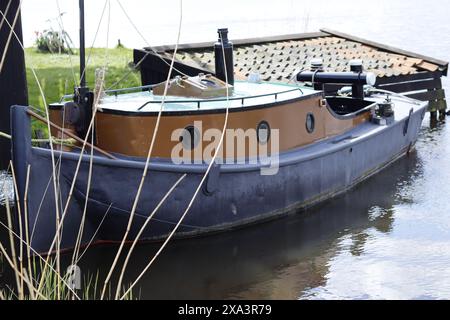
403, 109
245, 94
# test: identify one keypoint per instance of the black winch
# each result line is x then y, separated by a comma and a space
384, 112
356, 77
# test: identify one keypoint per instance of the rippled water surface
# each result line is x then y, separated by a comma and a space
388, 238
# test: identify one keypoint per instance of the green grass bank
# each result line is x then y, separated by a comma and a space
58, 74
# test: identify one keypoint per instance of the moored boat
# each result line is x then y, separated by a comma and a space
203, 154
314, 147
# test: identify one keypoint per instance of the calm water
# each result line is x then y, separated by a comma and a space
388, 238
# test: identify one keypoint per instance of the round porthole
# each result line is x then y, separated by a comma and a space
190, 137
310, 122
263, 132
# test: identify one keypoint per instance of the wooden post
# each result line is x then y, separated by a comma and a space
13, 85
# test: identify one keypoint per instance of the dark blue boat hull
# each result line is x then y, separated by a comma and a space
232, 196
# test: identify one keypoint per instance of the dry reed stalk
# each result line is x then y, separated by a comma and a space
29, 282
19, 219
119, 284
61, 27
48, 128
40, 205
17, 271
153, 51
99, 88
94, 235
11, 242
88, 60
10, 33
95, 108
6, 12
6, 48
100, 75
83, 217
71, 135
40, 257
27, 237
196, 191
58, 220
147, 160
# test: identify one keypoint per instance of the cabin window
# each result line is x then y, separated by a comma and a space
190, 137
209, 83
310, 122
263, 132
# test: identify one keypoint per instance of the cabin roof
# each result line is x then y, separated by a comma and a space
244, 95
278, 58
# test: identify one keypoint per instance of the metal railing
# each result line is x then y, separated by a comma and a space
199, 102
114, 91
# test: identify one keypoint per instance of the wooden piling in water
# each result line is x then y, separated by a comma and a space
13, 85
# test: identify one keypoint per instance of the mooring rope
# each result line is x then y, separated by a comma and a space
395, 94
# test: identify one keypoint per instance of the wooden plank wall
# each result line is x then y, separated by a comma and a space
425, 86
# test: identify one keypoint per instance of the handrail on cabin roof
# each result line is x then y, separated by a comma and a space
198, 102
70, 96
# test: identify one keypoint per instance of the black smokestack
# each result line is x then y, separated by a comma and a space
219, 57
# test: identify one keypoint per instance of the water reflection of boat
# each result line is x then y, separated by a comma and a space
250, 264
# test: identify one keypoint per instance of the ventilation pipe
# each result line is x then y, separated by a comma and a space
224, 74
356, 66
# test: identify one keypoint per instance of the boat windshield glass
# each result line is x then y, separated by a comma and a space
245, 94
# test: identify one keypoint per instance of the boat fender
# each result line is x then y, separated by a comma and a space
406, 125
212, 182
